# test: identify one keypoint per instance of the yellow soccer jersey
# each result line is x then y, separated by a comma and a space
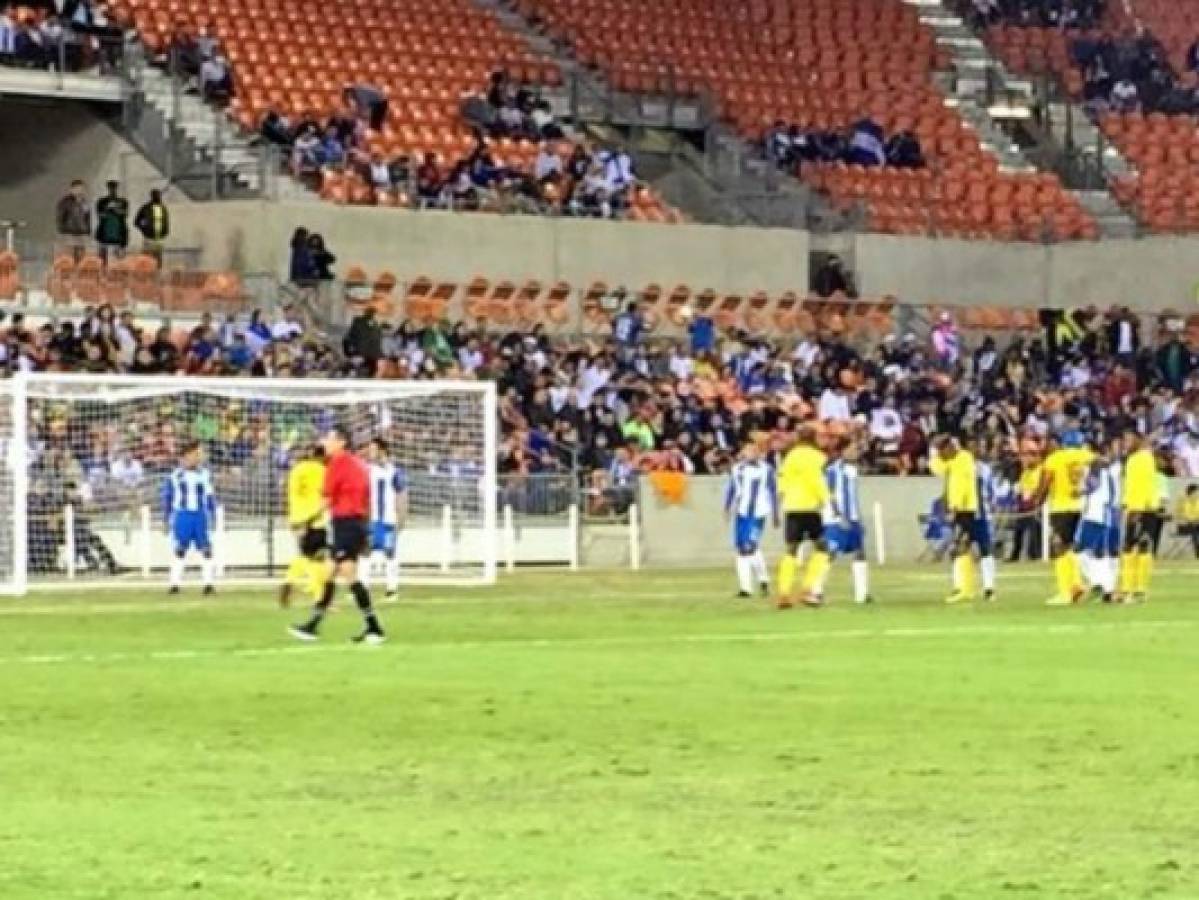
306, 493
1067, 471
1140, 483
801, 482
961, 481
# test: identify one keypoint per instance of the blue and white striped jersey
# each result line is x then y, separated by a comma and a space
1101, 497
388, 482
986, 479
752, 490
842, 478
188, 491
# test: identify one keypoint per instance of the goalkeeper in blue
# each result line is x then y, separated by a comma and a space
843, 529
189, 507
751, 496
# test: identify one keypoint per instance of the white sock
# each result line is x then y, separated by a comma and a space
392, 573
1089, 567
207, 572
987, 566
954, 574
176, 576
760, 569
745, 577
1111, 574
861, 580
801, 554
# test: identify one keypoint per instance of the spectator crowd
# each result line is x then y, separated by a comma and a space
59, 35
862, 144
627, 403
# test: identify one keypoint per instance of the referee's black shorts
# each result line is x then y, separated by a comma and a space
349, 538
1064, 526
803, 526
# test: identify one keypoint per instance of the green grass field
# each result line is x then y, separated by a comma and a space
603, 736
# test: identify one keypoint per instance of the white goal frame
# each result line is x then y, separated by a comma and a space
15, 393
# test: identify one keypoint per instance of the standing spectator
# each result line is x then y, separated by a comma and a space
8, 33
112, 222
832, 278
1124, 338
428, 180
947, 343
216, 79
300, 268
369, 103
322, 259
74, 219
364, 340
628, 326
154, 222
834, 404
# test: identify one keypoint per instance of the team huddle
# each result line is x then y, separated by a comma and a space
340, 509
1103, 506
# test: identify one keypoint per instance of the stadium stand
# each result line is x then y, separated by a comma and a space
825, 65
291, 65
1130, 69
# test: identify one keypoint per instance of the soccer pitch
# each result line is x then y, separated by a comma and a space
607, 736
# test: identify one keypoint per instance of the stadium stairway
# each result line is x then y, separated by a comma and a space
727, 185
979, 78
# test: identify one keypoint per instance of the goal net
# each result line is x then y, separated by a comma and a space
87, 458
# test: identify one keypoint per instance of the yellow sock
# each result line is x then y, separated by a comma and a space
319, 573
787, 567
296, 570
1129, 565
818, 568
969, 575
1064, 573
1144, 572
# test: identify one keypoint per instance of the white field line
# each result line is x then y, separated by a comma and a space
596, 642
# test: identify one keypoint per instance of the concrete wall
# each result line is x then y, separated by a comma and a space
254, 236
45, 144
1146, 273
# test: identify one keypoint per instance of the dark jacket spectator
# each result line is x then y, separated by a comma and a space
153, 220
112, 219
831, 278
364, 340
300, 268
369, 102
72, 217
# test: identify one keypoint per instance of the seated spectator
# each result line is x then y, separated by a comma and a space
777, 143
400, 171
1125, 97
903, 151
331, 151
541, 119
276, 129
866, 145
183, 54
548, 165
498, 92
429, 184
306, 153
459, 191
509, 122
590, 196
216, 79
378, 173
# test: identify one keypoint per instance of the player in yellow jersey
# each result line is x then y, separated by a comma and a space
1063, 488
803, 493
307, 517
1141, 502
956, 464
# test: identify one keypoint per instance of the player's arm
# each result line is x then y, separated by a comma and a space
1041, 494
772, 487
730, 495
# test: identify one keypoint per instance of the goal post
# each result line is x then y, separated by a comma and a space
87, 456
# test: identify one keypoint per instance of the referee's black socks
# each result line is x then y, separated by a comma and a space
322, 605
363, 598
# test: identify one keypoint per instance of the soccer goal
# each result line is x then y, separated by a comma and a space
87, 457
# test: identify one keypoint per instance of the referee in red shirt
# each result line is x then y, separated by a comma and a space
348, 495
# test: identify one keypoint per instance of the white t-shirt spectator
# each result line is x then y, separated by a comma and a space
1124, 338
8, 35
834, 406
806, 354
886, 425
618, 170
287, 330
1186, 453
213, 71
540, 117
681, 366
591, 380
380, 175
548, 163
559, 394
470, 360
126, 471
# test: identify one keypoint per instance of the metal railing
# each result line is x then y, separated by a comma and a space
668, 103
